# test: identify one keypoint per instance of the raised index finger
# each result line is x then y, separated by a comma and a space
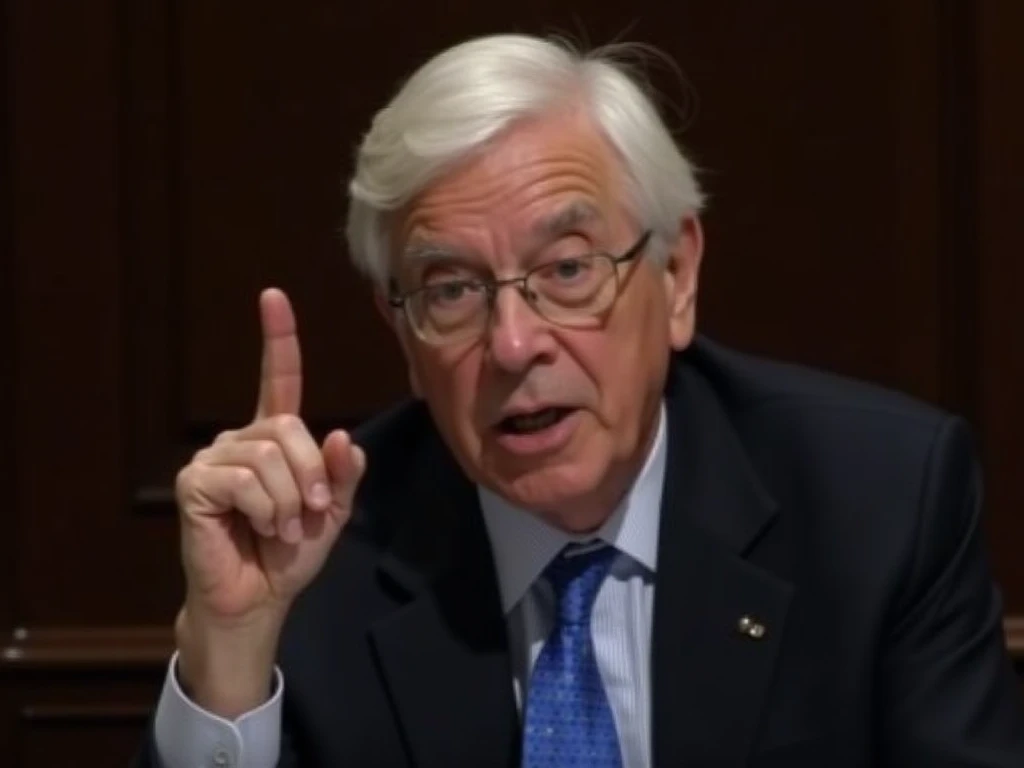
281, 368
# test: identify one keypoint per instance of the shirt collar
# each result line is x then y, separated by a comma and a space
524, 544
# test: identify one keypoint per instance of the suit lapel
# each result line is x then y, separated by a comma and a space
711, 671
444, 653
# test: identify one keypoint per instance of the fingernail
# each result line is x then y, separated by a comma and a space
319, 496
293, 531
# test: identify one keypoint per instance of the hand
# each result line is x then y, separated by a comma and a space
260, 509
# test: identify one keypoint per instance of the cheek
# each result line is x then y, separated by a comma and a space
632, 364
449, 381
609, 368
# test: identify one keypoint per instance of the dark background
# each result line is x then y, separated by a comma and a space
162, 160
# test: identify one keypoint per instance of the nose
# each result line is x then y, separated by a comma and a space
518, 337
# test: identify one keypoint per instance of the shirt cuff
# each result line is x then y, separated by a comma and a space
188, 736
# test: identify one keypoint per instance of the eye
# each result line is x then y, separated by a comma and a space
446, 292
569, 270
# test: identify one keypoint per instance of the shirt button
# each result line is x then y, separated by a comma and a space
221, 758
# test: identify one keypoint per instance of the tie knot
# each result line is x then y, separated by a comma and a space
576, 575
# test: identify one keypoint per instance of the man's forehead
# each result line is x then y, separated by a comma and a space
550, 174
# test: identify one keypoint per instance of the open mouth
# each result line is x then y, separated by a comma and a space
528, 423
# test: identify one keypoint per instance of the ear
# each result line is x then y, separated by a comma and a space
682, 268
397, 324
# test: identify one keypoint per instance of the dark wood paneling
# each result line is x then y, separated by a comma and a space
75, 720
162, 161
54, 743
1000, 185
150, 242
80, 558
266, 128
62, 649
67, 388
817, 130
957, 227
10, 515
69, 694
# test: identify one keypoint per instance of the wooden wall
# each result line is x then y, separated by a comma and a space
161, 160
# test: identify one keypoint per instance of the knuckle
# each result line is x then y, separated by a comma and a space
267, 452
225, 436
288, 424
245, 479
250, 499
184, 481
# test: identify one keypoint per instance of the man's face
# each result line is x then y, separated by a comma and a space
546, 189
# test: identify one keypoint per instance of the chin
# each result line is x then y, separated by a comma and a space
551, 489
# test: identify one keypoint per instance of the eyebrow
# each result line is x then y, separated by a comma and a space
575, 214
427, 251
550, 227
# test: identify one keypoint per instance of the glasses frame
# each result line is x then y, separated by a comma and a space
491, 288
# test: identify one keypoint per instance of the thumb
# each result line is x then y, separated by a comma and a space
345, 463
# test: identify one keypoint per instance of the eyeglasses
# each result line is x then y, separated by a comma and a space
573, 292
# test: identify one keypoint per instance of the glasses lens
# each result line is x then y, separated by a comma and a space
448, 310
574, 291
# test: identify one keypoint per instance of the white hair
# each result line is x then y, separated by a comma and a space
467, 95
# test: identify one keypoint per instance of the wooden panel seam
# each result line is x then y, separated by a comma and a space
151, 646
958, 213
86, 647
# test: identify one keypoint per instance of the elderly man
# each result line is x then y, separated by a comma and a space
593, 538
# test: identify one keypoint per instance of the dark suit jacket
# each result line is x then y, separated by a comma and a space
843, 518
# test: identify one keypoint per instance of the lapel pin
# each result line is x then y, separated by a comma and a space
752, 628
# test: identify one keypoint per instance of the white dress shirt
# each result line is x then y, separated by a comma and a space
523, 545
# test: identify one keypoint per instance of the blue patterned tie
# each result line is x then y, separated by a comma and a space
568, 718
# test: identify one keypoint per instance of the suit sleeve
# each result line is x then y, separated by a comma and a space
947, 690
